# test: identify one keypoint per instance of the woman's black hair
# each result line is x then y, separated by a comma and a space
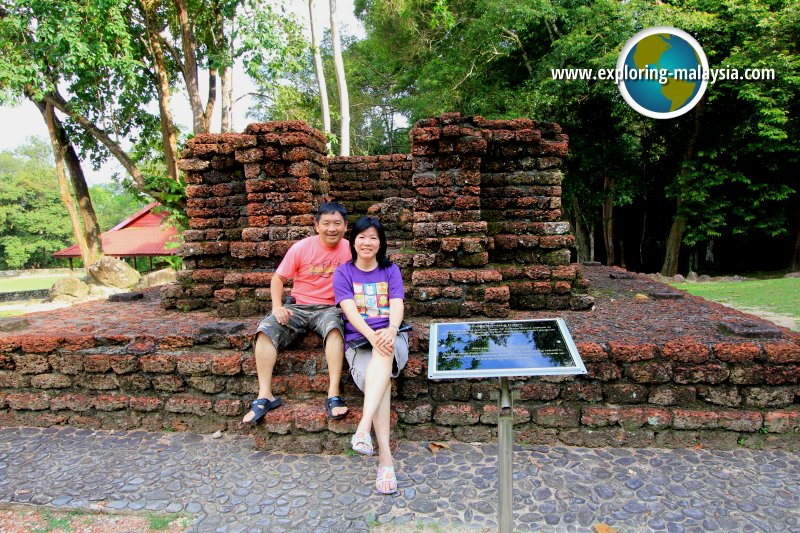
363, 224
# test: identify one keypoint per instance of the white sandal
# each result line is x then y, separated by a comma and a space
361, 442
386, 475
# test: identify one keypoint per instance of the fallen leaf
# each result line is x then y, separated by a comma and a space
435, 447
604, 528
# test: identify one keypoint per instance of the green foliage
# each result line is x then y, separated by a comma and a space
33, 220
113, 203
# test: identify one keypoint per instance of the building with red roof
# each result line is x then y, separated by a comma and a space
142, 234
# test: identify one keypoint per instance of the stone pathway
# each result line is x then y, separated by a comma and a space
227, 486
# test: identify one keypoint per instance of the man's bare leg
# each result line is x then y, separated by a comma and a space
334, 355
266, 356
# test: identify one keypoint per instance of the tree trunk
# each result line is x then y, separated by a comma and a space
608, 220
89, 254
341, 83
794, 262
226, 79
169, 136
319, 72
189, 46
670, 266
581, 239
672, 253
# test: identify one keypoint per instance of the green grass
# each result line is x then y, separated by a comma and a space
62, 522
161, 522
780, 295
27, 284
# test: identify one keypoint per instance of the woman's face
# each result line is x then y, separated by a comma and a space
367, 243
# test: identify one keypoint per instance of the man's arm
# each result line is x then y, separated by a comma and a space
280, 313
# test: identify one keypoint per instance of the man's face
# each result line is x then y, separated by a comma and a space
331, 228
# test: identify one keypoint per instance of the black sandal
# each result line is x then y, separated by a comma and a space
262, 406
333, 402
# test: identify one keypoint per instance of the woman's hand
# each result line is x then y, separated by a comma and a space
383, 341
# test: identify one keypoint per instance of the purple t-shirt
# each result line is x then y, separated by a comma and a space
371, 291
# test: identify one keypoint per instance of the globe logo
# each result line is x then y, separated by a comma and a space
664, 72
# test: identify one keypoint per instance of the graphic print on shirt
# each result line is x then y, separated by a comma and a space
372, 299
324, 269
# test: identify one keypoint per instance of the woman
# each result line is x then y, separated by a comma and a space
369, 290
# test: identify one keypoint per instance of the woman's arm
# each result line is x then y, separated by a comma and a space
357, 321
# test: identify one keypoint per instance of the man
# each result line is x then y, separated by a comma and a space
310, 263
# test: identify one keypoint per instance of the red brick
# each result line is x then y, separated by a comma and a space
50, 381
158, 363
66, 363
28, 401
712, 373
413, 413
730, 352
650, 372
249, 366
496, 294
520, 415
226, 365
168, 382
172, 342
463, 276
85, 422
278, 421
748, 375
124, 364
456, 415
625, 393
740, 420
591, 352
195, 364
651, 417
226, 407
141, 346
10, 379
188, 404
97, 363
31, 364
430, 277
604, 371
539, 391
78, 342
686, 351
73, 402
783, 374
36, 344
585, 392
782, 352
670, 395
628, 353
9, 344
692, 419
782, 421
600, 416
557, 416
488, 276
98, 381
310, 418
110, 402
146, 403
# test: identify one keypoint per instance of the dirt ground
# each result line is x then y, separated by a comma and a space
40, 519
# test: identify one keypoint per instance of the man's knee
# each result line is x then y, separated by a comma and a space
264, 345
334, 335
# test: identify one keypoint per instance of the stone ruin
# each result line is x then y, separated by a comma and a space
473, 214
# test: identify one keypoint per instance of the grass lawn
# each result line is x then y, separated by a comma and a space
27, 284
780, 295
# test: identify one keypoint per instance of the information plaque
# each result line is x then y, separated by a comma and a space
541, 347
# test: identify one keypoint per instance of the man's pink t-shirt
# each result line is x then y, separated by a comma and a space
311, 265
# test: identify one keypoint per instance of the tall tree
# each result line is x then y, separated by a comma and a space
341, 83
319, 71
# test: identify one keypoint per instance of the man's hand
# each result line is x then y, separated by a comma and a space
282, 315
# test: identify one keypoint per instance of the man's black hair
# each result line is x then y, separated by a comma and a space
363, 224
331, 208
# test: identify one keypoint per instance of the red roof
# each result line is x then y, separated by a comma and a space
139, 235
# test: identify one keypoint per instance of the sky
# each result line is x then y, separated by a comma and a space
24, 120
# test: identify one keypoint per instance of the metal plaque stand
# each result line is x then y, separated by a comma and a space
505, 459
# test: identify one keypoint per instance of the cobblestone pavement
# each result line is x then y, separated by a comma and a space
228, 486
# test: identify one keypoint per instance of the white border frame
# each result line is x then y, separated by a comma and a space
633, 41
433, 373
